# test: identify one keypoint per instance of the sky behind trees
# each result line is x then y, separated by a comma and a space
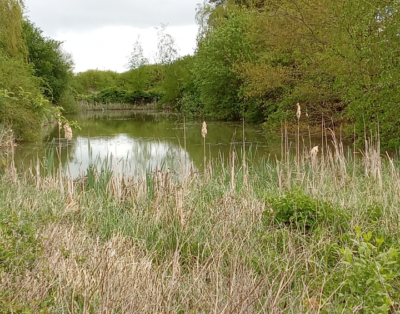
101, 33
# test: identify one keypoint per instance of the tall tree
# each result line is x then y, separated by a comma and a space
215, 76
136, 59
11, 26
48, 60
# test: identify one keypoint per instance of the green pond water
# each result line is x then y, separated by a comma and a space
139, 141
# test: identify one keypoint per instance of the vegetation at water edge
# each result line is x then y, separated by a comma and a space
306, 234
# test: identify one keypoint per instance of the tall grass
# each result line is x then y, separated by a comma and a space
85, 106
285, 240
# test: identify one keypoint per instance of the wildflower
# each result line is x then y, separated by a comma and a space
204, 129
68, 132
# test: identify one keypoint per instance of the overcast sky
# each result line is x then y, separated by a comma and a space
100, 33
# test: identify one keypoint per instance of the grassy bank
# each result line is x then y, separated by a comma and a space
308, 234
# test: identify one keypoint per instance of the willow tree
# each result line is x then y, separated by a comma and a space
214, 72
11, 41
22, 105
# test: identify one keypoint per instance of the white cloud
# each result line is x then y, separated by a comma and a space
100, 33
107, 48
65, 15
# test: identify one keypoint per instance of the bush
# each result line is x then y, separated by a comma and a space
18, 241
370, 271
190, 106
22, 105
49, 62
67, 101
299, 210
115, 95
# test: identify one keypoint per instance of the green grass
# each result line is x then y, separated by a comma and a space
319, 237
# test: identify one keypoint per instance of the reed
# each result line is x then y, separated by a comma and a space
144, 243
298, 115
203, 134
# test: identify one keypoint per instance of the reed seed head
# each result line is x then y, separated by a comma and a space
68, 132
314, 152
298, 114
59, 121
204, 129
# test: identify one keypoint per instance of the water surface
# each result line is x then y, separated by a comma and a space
147, 140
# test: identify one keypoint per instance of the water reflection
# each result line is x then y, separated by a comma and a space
145, 140
134, 155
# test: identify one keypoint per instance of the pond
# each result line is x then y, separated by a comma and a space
144, 140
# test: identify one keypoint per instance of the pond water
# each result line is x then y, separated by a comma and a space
143, 140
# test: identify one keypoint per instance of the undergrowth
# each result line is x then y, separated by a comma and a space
306, 235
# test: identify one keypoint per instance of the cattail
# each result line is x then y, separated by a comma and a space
314, 152
204, 129
68, 132
59, 121
298, 114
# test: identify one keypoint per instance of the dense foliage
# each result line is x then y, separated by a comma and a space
258, 58
115, 95
254, 59
49, 62
21, 102
338, 59
34, 72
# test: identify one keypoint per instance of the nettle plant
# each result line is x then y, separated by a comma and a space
371, 270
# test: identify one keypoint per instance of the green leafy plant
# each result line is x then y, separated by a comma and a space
370, 271
18, 241
299, 210
116, 95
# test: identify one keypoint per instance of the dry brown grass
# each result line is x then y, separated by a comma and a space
86, 275
163, 243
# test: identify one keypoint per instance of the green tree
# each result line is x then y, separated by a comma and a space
176, 79
11, 27
22, 105
136, 59
167, 51
365, 50
92, 81
214, 72
49, 62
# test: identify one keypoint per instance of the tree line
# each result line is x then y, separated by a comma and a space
338, 59
258, 58
255, 59
35, 73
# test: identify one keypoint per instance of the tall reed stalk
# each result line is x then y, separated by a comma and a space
203, 134
298, 115
59, 153
244, 156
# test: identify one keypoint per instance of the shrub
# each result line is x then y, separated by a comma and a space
299, 210
18, 241
67, 101
370, 271
116, 95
